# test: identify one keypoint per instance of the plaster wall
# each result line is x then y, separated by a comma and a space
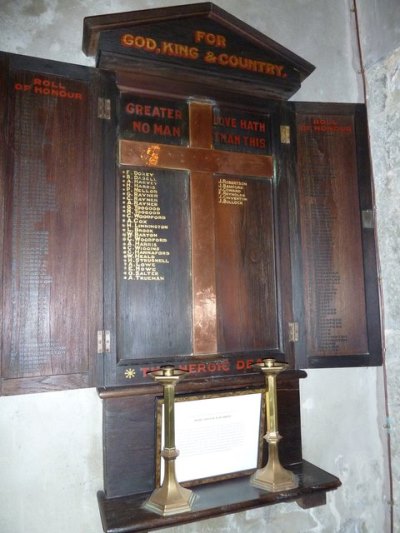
380, 29
50, 449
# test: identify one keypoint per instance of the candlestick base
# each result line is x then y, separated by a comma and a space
274, 478
170, 500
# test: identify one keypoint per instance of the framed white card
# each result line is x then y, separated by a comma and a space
218, 436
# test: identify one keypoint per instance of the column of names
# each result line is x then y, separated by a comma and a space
143, 226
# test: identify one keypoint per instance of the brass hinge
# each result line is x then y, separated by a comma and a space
103, 341
367, 216
293, 332
285, 134
104, 108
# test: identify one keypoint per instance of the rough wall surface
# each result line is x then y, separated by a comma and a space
384, 115
50, 446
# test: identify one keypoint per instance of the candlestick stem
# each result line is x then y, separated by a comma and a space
171, 498
273, 477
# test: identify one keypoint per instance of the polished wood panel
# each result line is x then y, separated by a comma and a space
140, 333
338, 275
203, 237
203, 264
331, 236
3, 174
134, 153
154, 298
245, 267
129, 441
46, 275
201, 125
53, 239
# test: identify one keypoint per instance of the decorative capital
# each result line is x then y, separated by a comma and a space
167, 375
271, 367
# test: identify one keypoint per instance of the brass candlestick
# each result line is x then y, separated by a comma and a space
273, 477
171, 498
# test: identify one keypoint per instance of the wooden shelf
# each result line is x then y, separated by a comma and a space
126, 514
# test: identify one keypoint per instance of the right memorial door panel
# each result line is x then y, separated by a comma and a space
335, 267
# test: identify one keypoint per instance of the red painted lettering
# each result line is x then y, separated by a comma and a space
39, 82
245, 63
22, 87
322, 125
254, 142
252, 125
245, 364
179, 50
138, 41
229, 122
47, 91
140, 127
225, 138
167, 131
146, 369
153, 111
225, 366
211, 39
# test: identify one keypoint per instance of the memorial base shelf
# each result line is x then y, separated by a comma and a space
127, 515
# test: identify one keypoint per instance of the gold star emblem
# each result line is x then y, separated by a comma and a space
130, 373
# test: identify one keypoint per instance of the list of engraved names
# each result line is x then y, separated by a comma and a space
331, 235
318, 176
143, 226
232, 192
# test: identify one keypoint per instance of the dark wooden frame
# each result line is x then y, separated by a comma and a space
113, 371
94, 26
127, 515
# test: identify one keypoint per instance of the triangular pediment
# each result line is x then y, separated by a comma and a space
200, 38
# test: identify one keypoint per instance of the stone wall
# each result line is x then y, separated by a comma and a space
383, 90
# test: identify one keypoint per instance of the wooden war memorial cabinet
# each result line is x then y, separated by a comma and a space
172, 207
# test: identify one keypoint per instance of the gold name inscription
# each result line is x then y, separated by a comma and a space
143, 227
232, 192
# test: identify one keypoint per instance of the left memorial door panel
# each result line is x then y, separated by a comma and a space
53, 154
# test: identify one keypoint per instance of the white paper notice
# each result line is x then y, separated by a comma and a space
216, 436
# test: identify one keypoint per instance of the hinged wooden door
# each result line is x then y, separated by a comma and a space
335, 279
52, 162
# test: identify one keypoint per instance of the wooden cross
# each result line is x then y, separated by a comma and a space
203, 162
